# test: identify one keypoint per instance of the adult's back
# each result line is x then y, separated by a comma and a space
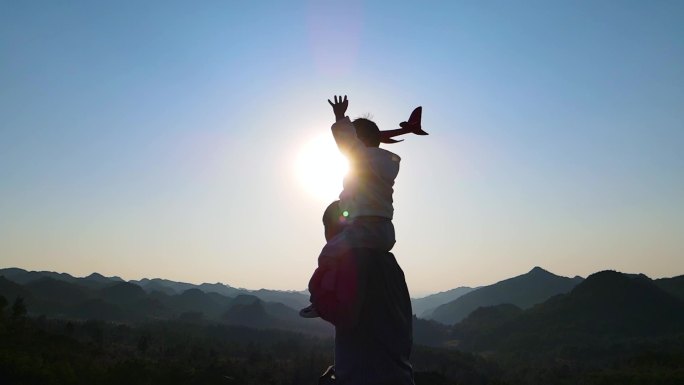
373, 324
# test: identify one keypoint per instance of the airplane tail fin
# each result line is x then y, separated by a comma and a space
413, 125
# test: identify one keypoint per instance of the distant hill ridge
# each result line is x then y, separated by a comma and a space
523, 291
99, 297
607, 307
293, 299
61, 294
64, 296
423, 307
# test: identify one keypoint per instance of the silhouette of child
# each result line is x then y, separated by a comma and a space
365, 203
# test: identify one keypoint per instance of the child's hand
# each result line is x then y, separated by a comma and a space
339, 107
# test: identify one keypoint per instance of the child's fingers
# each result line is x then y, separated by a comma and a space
338, 100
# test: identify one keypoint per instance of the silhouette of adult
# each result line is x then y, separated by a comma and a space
372, 317
358, 285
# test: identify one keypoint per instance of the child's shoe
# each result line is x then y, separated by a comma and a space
309, 312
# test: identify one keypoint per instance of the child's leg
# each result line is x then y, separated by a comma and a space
326, 286
369, 234
316, 284
381, 234
322, 289
336, 246
322, 282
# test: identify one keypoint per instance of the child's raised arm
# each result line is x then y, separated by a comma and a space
343, 130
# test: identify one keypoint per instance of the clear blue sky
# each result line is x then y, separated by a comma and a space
147, 139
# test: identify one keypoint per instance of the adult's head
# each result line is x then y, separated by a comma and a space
333, 220
367, 131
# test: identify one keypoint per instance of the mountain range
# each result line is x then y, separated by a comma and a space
607, 309
423, 307
523, 291
113, 299
293, 299
608, 328
470, 318
609, 314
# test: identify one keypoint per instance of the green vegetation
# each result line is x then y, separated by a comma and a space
46, 351
612, 328
52, 351
55, 351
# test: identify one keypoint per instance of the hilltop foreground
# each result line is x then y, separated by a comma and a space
610, 328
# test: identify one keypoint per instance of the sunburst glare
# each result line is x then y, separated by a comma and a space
320, 168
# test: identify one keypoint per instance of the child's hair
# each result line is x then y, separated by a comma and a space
367, 131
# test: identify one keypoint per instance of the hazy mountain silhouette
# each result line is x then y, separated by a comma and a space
56, 291
274, 315
11, 290
488, 318
606, 308
22, 276
165, 285
523, 291
609, 304
195, 300
249, 313
112, 299
293, 299
99, 279
151, 286
423, 307
121, 293
220, 288
610, 328
674, 285
430, 333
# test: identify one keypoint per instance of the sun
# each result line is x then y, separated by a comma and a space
320, 168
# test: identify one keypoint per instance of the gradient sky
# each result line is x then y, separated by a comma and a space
159, 139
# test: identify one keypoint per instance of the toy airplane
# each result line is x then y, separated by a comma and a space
411, 126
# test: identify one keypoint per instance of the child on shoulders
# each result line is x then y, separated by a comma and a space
366, 201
